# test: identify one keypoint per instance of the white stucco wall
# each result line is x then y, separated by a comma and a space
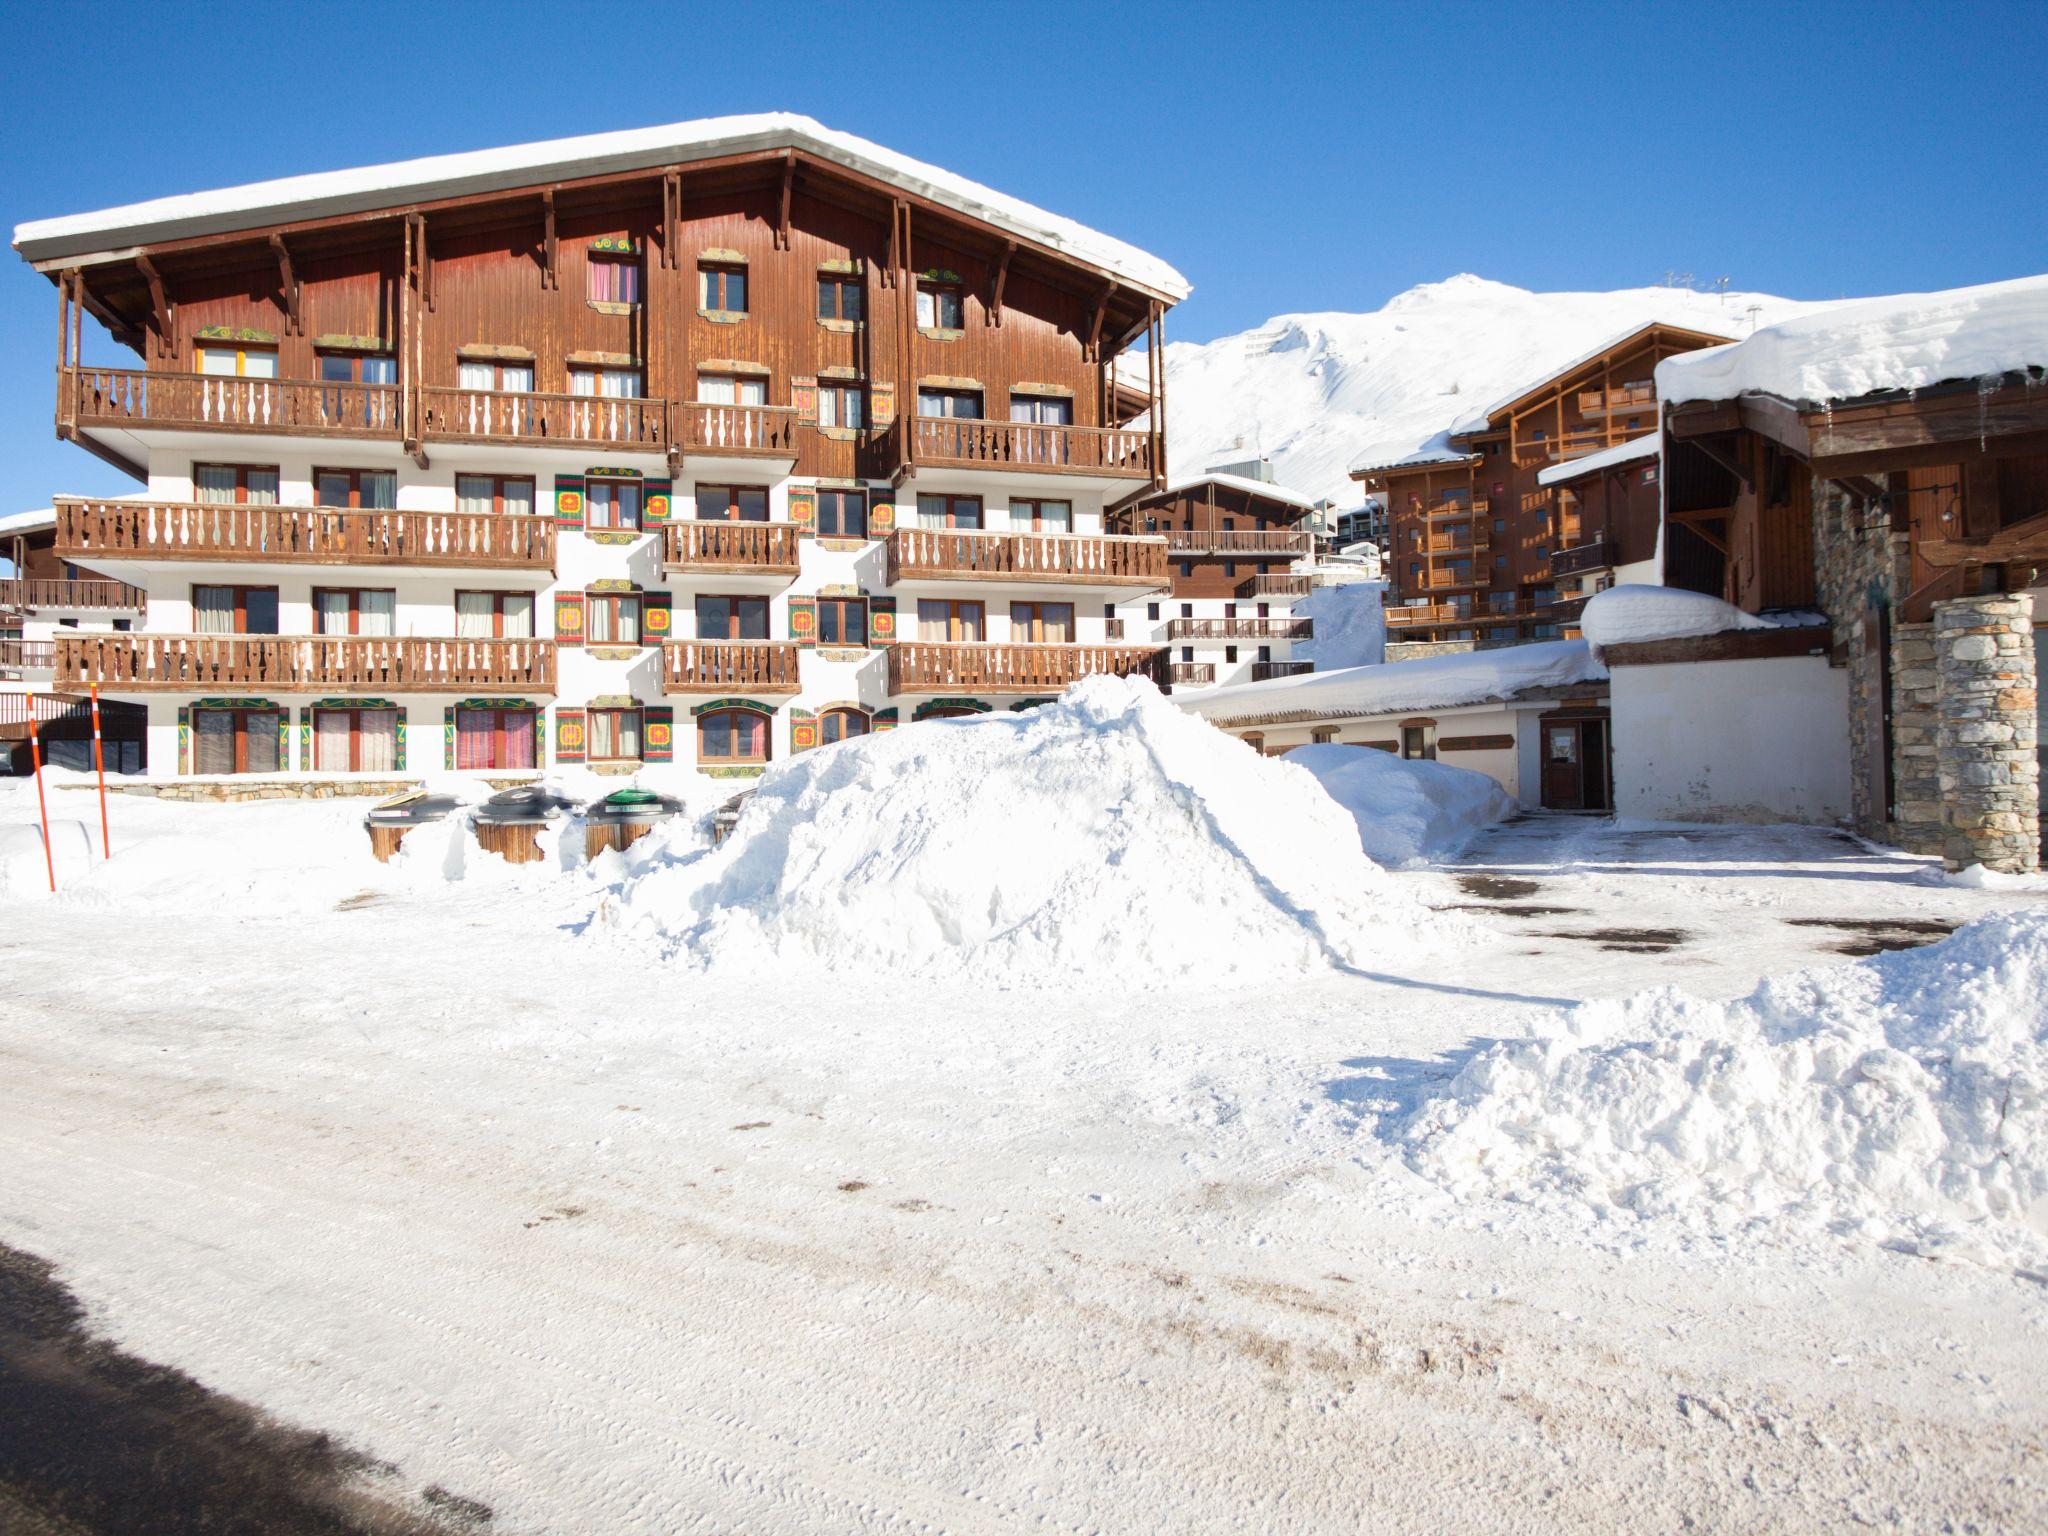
1757, 741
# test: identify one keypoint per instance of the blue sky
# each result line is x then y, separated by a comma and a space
1285, 158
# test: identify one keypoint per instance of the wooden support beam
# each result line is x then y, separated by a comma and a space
782, 222
1101, 311
1690, 522
995, 303
1732, 462
287, 286
2023, 543
159, 307
671, 220
549, 277
1980, 499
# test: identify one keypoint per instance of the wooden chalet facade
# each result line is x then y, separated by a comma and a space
48, 596
435, 459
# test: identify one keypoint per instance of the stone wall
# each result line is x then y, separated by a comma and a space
1415, 650
1990, 777
1916, 780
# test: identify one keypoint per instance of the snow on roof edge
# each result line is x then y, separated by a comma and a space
1476, 420
1646, 446
29, 521
363, 188
1428, 682
1244, 483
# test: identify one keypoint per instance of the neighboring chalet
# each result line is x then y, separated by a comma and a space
1231, 543
704, 444
1477, 543
45, 597
1617, 502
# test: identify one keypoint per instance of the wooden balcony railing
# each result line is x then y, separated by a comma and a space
1263, 670
1276, 584
969, 443
1442, 580
1597, 555
1407, 615
1478, 537
304, 663
1191, 674
917, 667
744, 431
18, 656
1238, 541
133, 397
953, 554
1240, 629
20, 593
728, 547
729, 666
1454, 511
177, 530
1623, 397
493, 416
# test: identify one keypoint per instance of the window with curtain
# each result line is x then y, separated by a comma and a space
497, 377
615, 733
1043, 516
732, 736
220, 483
608, 383
358, 368
732, 503
948, 511
723, 287
494, 738
732, 389
225, 610
355, 740
841, 725
945, 621
1042, 623
840, 405
485, 494
941, 306
373, 490
235, 740
842, 514
612, 618
614, 279
355, 611
1042, 410
238, 362
494, 615
611, 504
963, 403
732, 618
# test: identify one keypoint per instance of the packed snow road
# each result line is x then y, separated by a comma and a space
603, 1246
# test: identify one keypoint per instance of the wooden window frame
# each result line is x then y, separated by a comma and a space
841, 608
1035, 625
598, 372
614, 602
952, 499
638, 525
732, 504
614, 261
1037, 505
979, 396
498, 484
937, 290
618, 710
243, 351
839, 497
530, 717
843, 712
355, 713
498, 365
355, 488
241, 591
723, 272
241, 716
355, 361
1323, 736
736, 380
842, 284
955, 608
733, 599
355, 608
767, 735
1425, 730
497, 595
840, 391
241, 473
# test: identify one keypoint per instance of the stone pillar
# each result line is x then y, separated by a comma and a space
1990, 789
1918, 824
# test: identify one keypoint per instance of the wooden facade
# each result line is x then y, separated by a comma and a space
1222, 539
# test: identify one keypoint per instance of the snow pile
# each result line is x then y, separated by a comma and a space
1905, 341
1902, 1100
1408, 813
1428, 682
1634, 611
1106, 836
1350, 625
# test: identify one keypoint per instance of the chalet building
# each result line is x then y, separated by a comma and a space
1908, 524
1231, 544
701, 444
1617, 499
1478, 545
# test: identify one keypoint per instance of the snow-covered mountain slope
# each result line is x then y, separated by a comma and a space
1319, 393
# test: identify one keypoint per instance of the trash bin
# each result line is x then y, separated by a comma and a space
389, 820
509, 823
622, 818
727, 816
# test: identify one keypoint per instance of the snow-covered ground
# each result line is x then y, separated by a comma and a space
612, 1243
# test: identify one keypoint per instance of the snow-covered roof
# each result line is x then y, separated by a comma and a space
1644, 447
1438, 451
28, 522
1430, 682
1905, 341
1243, 483
1477, 420
366, 188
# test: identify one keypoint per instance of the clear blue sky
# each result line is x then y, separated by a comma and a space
1291, 157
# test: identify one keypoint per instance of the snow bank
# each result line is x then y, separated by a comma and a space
1350, 625
1901, 1100
1408, 813
1633, 612
1105, 836
1904, 341
1429, 682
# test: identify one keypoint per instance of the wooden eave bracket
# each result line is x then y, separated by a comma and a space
549, 278
2024, 542
782, 222
160, 311
1729, 462
995, 303
1101, 313
671, 219
288, 286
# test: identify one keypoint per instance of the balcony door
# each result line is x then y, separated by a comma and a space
1039, 419
235, 484
732, 618
1041, 623
227, 610
944, 621
227, 741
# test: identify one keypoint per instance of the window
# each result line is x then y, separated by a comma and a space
841, 404
612, 618
495, 738
940, 306
358, 368
839, 296
223, 610
606, 383
1151, 610
732, 618
722, 287
945, 621
614, 279
1187, 567
1255, 741
1323, 735
1230, 653
615, 733
842, 621
354, 611
1041, 623
732, 503
1230, 568
482, 495
355, 740
494, 615
238, 361
368, 489
216, 483
498, 377
964, 404
732, 389
732, 736
235, 740
935, 511
841, 725
1418, 742
1187, 610
611, 504
842, 514
1043, 516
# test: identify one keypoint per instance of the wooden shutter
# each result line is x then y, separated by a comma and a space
881, 620
881, 519
803, 394
568, 618
448, 738
658, 733
654, 617
882, 403
884, 720
803, 510
803, 729
803, 620
655, 502
569, 735
568, 501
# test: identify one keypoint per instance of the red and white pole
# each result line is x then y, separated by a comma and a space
35, 754
99, 763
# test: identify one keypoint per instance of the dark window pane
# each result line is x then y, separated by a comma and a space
736, 290
712, 502
828, 299
337, 370
849, 300
262, 610
753, 504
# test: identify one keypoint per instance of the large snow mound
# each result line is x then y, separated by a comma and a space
1408, 812
1634, 611
1105, 835
1901, 1100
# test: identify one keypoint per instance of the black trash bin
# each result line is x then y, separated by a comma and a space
509, 823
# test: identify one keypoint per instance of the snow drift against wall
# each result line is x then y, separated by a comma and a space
1408, 812
1105, 836
1901, 1100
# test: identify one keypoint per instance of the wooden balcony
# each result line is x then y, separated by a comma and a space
718, 547
1441, 581
740, 431
1454, 511
1191, 674
18, 657
133, 397
1276, 584
918, 667
1240, 629
176, 530
1623, 397
19, 594
1406, 616
1263, 671
303, 664
1089, 560
742, 667
1580, 558
492, 416
1465, 541
953, 442
1289, 543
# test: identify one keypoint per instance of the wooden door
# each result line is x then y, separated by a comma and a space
1564, 766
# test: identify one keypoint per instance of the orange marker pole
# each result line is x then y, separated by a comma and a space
99, 762
35, 753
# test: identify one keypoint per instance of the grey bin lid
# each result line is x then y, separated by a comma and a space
631, 808
524, 806
413, 810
